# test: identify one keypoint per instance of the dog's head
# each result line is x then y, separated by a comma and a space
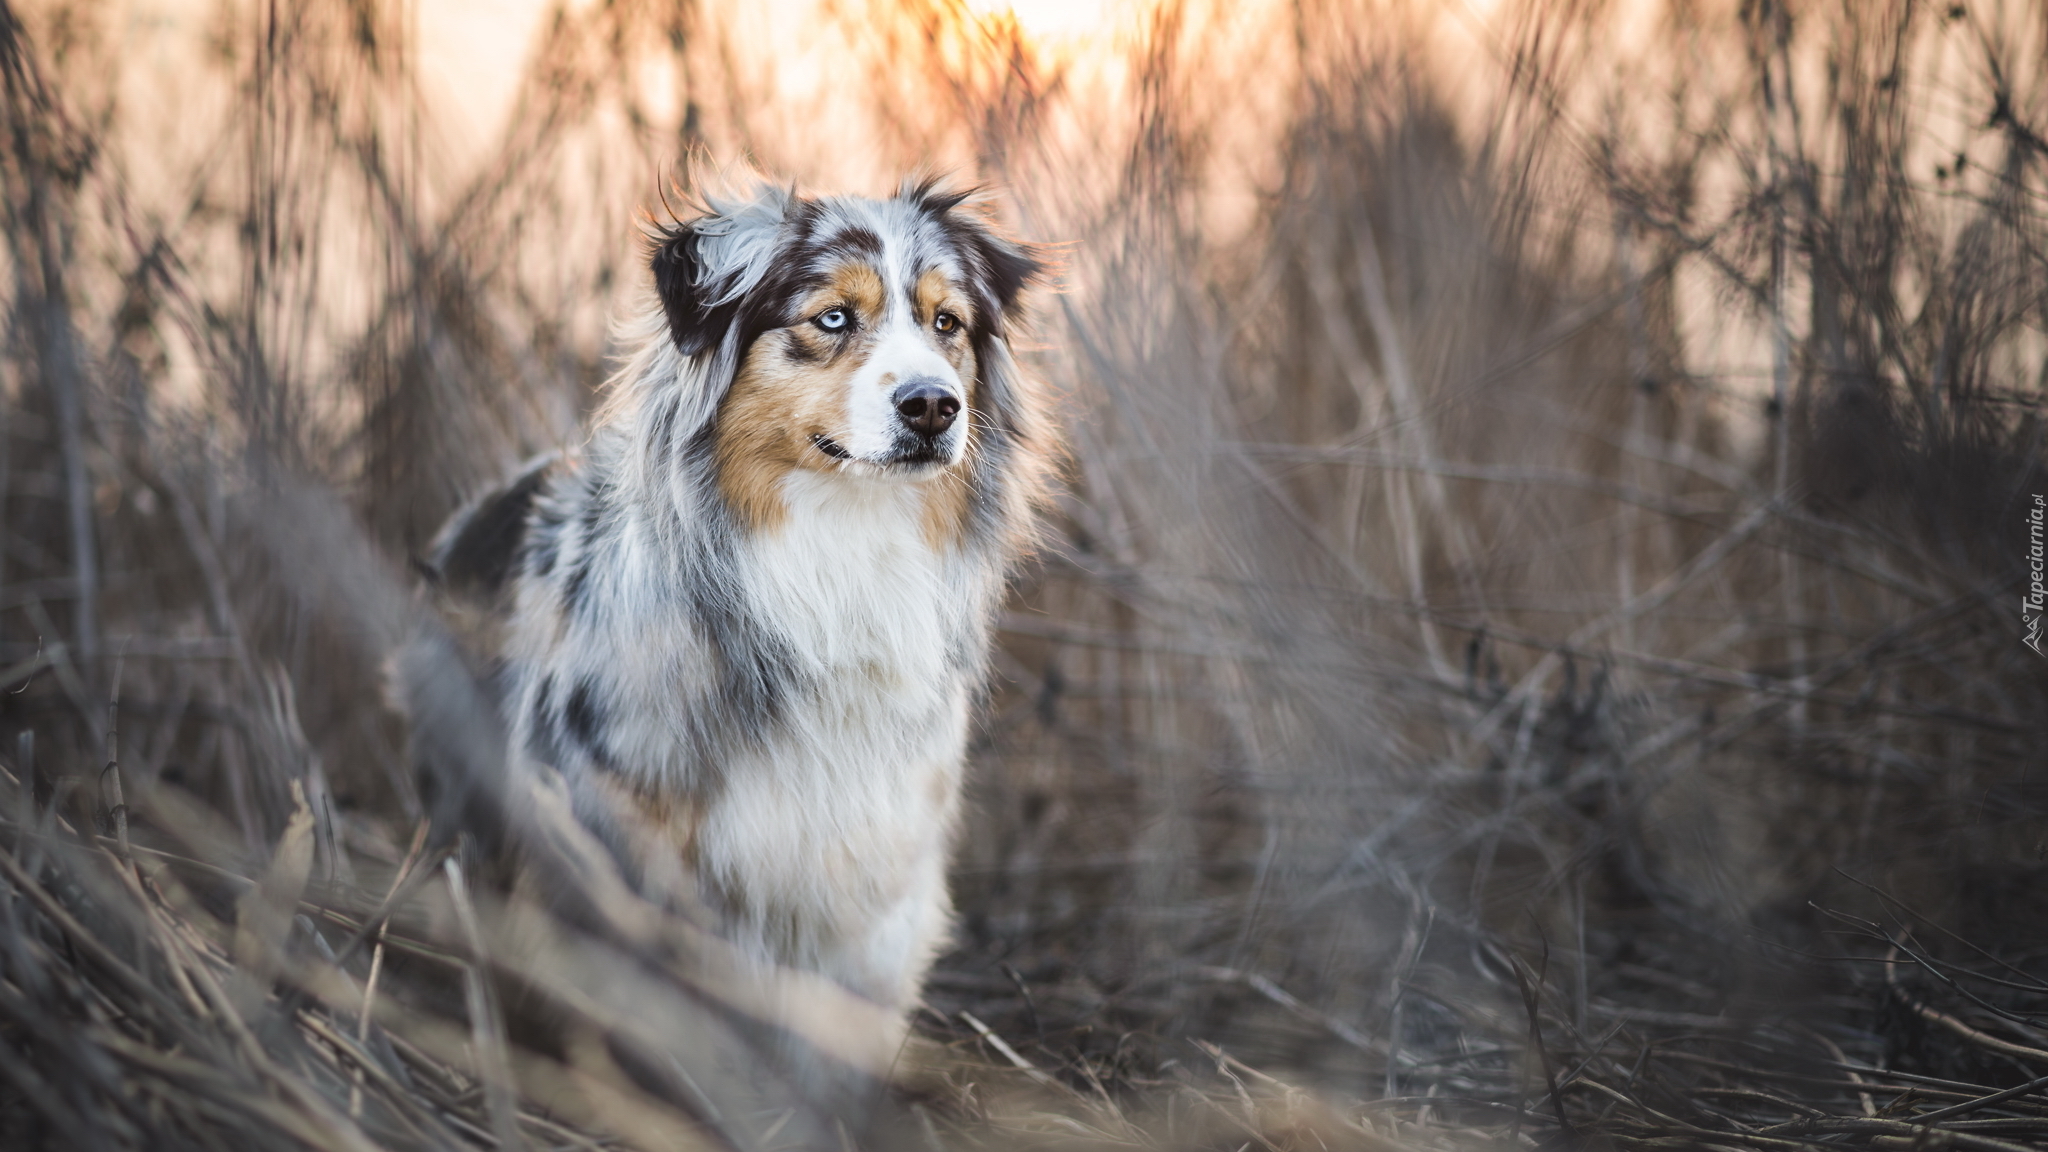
846, 334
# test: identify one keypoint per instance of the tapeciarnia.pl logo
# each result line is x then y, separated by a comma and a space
2037, 596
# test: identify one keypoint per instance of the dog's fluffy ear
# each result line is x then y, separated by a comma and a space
678, 271
1007, 267
1001, 267
704, 267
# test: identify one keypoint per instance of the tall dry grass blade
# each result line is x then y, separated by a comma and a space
487, 1042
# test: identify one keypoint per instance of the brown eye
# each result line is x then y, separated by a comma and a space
945, 322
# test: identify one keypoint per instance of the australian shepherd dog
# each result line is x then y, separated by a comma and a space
747, 627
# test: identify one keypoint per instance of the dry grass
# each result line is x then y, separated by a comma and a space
1527, 657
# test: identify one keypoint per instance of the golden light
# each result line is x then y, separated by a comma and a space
1050, 19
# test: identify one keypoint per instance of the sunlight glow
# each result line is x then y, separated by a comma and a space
1049, 18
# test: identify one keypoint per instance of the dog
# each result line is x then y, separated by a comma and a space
748, 628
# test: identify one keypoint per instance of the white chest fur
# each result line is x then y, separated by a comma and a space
850, 579
827, 847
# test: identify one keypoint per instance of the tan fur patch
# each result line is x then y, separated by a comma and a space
935, 292
855, 285
677, 815
766, 421
791, 387
945, 506
671, 817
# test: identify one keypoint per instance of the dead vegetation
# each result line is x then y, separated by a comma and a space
1529, 655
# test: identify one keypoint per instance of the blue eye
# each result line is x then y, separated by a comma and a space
833, 319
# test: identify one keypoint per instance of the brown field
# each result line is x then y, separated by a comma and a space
1528, 655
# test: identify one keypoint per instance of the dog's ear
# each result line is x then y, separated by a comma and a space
679, 281
704, 267
1001, 268
1006, 267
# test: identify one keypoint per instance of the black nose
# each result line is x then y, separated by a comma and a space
926, 408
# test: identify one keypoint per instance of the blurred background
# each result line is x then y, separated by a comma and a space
1532, 644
